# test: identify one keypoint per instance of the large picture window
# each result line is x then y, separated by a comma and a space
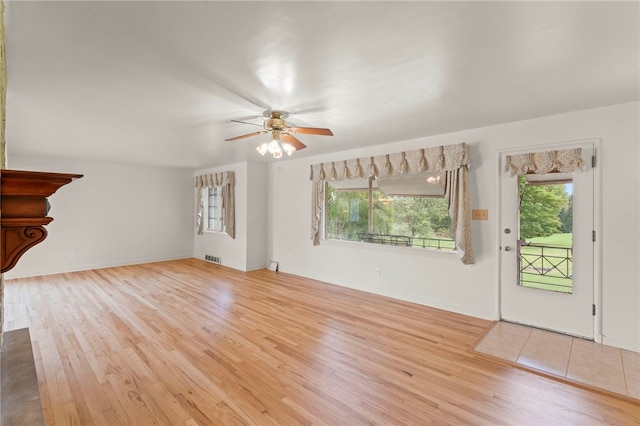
409, 211
400, 179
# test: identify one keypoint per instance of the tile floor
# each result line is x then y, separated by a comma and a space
606, 367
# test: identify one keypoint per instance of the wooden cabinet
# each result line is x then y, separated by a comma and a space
24, 208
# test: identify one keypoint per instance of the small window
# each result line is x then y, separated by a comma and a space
214, 209
405, 211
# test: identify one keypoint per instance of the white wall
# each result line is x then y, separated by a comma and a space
115, 215
248, 250
257, 215
441, 280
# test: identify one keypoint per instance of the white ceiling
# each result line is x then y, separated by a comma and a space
158, 82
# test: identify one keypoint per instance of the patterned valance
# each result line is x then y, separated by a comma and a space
437, 159
215, 179
562, 160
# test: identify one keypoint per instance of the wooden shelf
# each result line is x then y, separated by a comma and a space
24, 208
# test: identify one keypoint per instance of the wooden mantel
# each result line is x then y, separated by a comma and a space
23, 209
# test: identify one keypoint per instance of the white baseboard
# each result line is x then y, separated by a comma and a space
87, 267
255, 267
622, 344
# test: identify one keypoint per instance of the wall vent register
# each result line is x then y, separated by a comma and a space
213, 259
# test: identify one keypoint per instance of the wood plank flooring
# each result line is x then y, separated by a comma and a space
191, 343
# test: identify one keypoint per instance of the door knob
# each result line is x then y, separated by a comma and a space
507, 248
507, 230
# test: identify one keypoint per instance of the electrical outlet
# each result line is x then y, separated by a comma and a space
377, 272
71, 255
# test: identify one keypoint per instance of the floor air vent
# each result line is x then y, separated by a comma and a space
213, 259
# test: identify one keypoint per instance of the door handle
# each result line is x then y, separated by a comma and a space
507, 248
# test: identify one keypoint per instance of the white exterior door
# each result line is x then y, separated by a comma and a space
564, 309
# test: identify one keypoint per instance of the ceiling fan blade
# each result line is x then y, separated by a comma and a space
246, 122
248, 135
249, 117
293, 141
295, 111
311, 131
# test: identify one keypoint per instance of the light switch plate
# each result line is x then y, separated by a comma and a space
480, 214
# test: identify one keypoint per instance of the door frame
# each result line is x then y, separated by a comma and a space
597, 220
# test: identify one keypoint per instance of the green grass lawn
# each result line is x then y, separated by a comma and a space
558, 240
548, 266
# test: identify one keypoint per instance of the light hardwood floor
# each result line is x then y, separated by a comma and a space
189, 342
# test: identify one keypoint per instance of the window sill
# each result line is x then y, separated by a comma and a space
415, 251
212, 232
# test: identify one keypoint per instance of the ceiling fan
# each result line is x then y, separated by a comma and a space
282, 133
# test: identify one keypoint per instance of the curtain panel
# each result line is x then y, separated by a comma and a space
225, 180
562, 160
199, 210
450, 160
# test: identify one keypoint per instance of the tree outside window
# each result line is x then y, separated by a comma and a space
372, 215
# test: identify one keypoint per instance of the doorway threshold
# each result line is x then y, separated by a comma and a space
571, 359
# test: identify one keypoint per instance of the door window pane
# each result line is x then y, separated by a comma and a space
545, 242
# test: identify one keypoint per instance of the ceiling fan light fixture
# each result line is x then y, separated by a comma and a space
274, 146
263, 148
288, 148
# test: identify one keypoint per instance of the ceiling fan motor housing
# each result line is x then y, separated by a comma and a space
275, 124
